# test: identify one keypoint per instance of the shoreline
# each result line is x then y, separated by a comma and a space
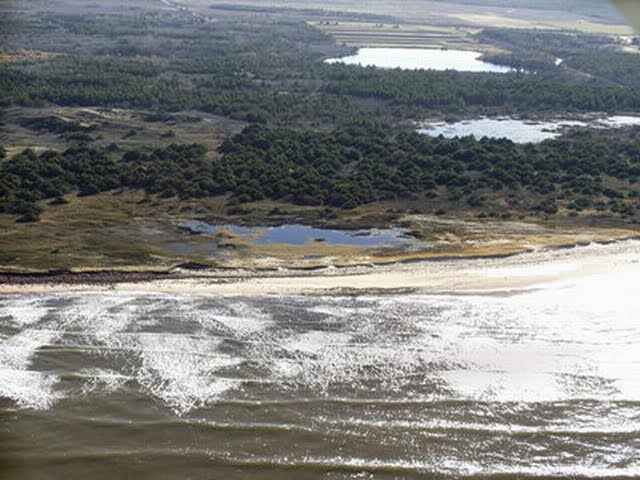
445, 275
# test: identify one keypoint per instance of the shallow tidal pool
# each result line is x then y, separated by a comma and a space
521, 131
298, 235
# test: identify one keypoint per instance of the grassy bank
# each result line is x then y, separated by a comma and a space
130, 231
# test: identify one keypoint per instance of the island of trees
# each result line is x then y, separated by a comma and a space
316, 134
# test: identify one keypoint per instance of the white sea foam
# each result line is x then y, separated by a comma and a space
25, 311
30, 389
573, 339
102, 380
243, 319
536, 369
101, 315
181, 371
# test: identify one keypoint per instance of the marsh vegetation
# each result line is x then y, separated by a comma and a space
237, 106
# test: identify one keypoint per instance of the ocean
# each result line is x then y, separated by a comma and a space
542, 383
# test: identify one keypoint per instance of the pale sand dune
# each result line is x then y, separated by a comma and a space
496, 275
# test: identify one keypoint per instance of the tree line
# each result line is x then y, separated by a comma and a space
346, 168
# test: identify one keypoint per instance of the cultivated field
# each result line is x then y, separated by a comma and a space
580, 25
583, 15
368, 34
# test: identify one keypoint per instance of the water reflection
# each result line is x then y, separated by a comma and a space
521, 131
421, 59
294, 234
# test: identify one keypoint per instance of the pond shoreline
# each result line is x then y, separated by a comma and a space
436, 59
525, 129
445, 273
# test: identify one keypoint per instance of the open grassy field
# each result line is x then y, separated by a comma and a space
453, 25
584, 15
130, 129
579, 25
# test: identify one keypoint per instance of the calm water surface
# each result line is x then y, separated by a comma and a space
295, 234
521, 131
420, 59
544, 383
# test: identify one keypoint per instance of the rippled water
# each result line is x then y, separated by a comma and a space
543, 383
421, 59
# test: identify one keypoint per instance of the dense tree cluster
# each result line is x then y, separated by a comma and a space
273, 72
344, 169
558, 42
123, 83
178, 170
27, 178
458, 92
584, 58
555, 71
616, 68
361, 164
321, 134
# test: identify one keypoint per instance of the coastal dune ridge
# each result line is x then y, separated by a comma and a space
528, 270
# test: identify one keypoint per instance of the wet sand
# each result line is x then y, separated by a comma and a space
489, 275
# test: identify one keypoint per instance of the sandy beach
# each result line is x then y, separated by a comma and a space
481, 275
